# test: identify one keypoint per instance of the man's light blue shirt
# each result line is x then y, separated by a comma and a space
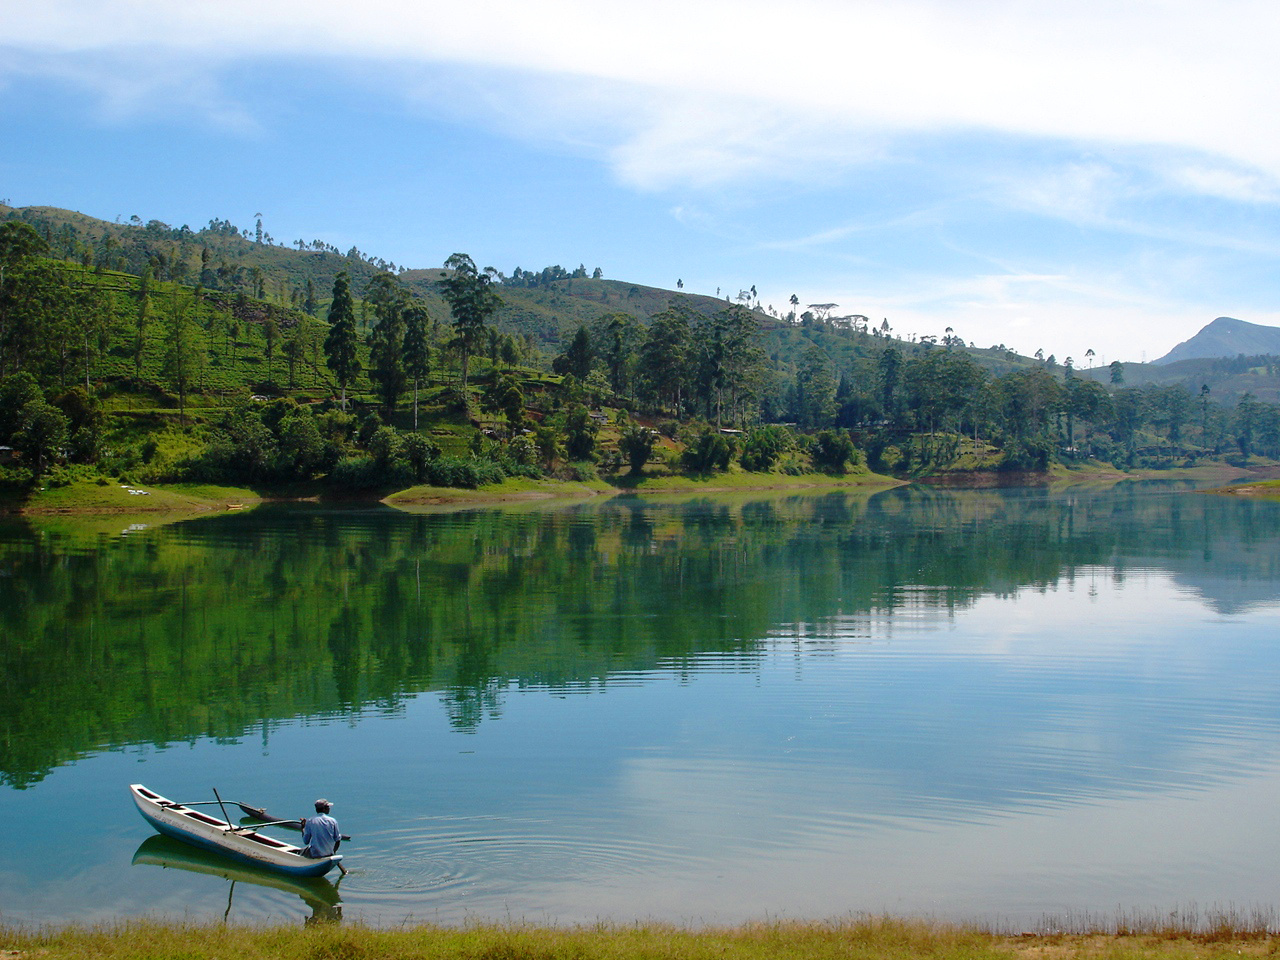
321, 835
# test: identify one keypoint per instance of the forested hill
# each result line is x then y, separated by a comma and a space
252, 270
142, 349
546, 304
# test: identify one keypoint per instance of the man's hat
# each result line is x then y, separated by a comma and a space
323, 804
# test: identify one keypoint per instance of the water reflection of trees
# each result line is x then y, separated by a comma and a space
219, 625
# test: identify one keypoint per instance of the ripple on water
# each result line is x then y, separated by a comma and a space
441, 855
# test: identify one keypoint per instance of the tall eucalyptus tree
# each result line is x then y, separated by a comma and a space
472, 301
340, 342
417, 352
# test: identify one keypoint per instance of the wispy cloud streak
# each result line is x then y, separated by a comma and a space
723, 91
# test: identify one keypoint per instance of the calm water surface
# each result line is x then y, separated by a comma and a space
969, 705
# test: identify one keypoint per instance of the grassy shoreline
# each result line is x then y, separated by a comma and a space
114, 498
1257, 489
88, 497
733, 482
855, 939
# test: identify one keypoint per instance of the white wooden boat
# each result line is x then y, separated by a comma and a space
245, 844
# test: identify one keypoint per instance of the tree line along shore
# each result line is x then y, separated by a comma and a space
393, 379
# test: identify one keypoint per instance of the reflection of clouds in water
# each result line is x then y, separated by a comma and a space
1015, 704
1231, 595
1094, 614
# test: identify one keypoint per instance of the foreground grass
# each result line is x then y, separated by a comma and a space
868, 939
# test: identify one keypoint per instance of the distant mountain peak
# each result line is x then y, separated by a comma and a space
1226, 337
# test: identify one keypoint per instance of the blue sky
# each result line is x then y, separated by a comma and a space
1052, 176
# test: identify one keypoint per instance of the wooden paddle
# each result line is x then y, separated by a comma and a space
258, 813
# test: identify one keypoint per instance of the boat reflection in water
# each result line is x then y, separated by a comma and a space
318, 893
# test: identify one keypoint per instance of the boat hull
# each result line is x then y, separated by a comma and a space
244, 844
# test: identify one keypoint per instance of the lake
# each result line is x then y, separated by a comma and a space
999, 705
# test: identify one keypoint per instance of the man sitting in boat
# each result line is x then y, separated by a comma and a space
320, 834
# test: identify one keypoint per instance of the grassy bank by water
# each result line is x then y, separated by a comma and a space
1261, 489
746, 480
97, 497
90, 497
867, 939
732, 481
511, 489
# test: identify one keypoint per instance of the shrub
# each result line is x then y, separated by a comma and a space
364, 473
583, 472
16, 477
336, 426
547, 439
16, 391
1027, 453
636, 444
580, 433
834, 451
471, 473
368, 427
877, 445
709, 451
302, 449
386, 447
764, 446
419, 452
276, 410
86, 444
523, 450
611, 461
41, 435
452, 399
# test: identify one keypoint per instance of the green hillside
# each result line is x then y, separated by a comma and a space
298, 278
159, 353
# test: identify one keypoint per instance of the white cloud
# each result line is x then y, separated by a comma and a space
706, 91
1082, 192
153, 84
1139, 195
1227, 183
